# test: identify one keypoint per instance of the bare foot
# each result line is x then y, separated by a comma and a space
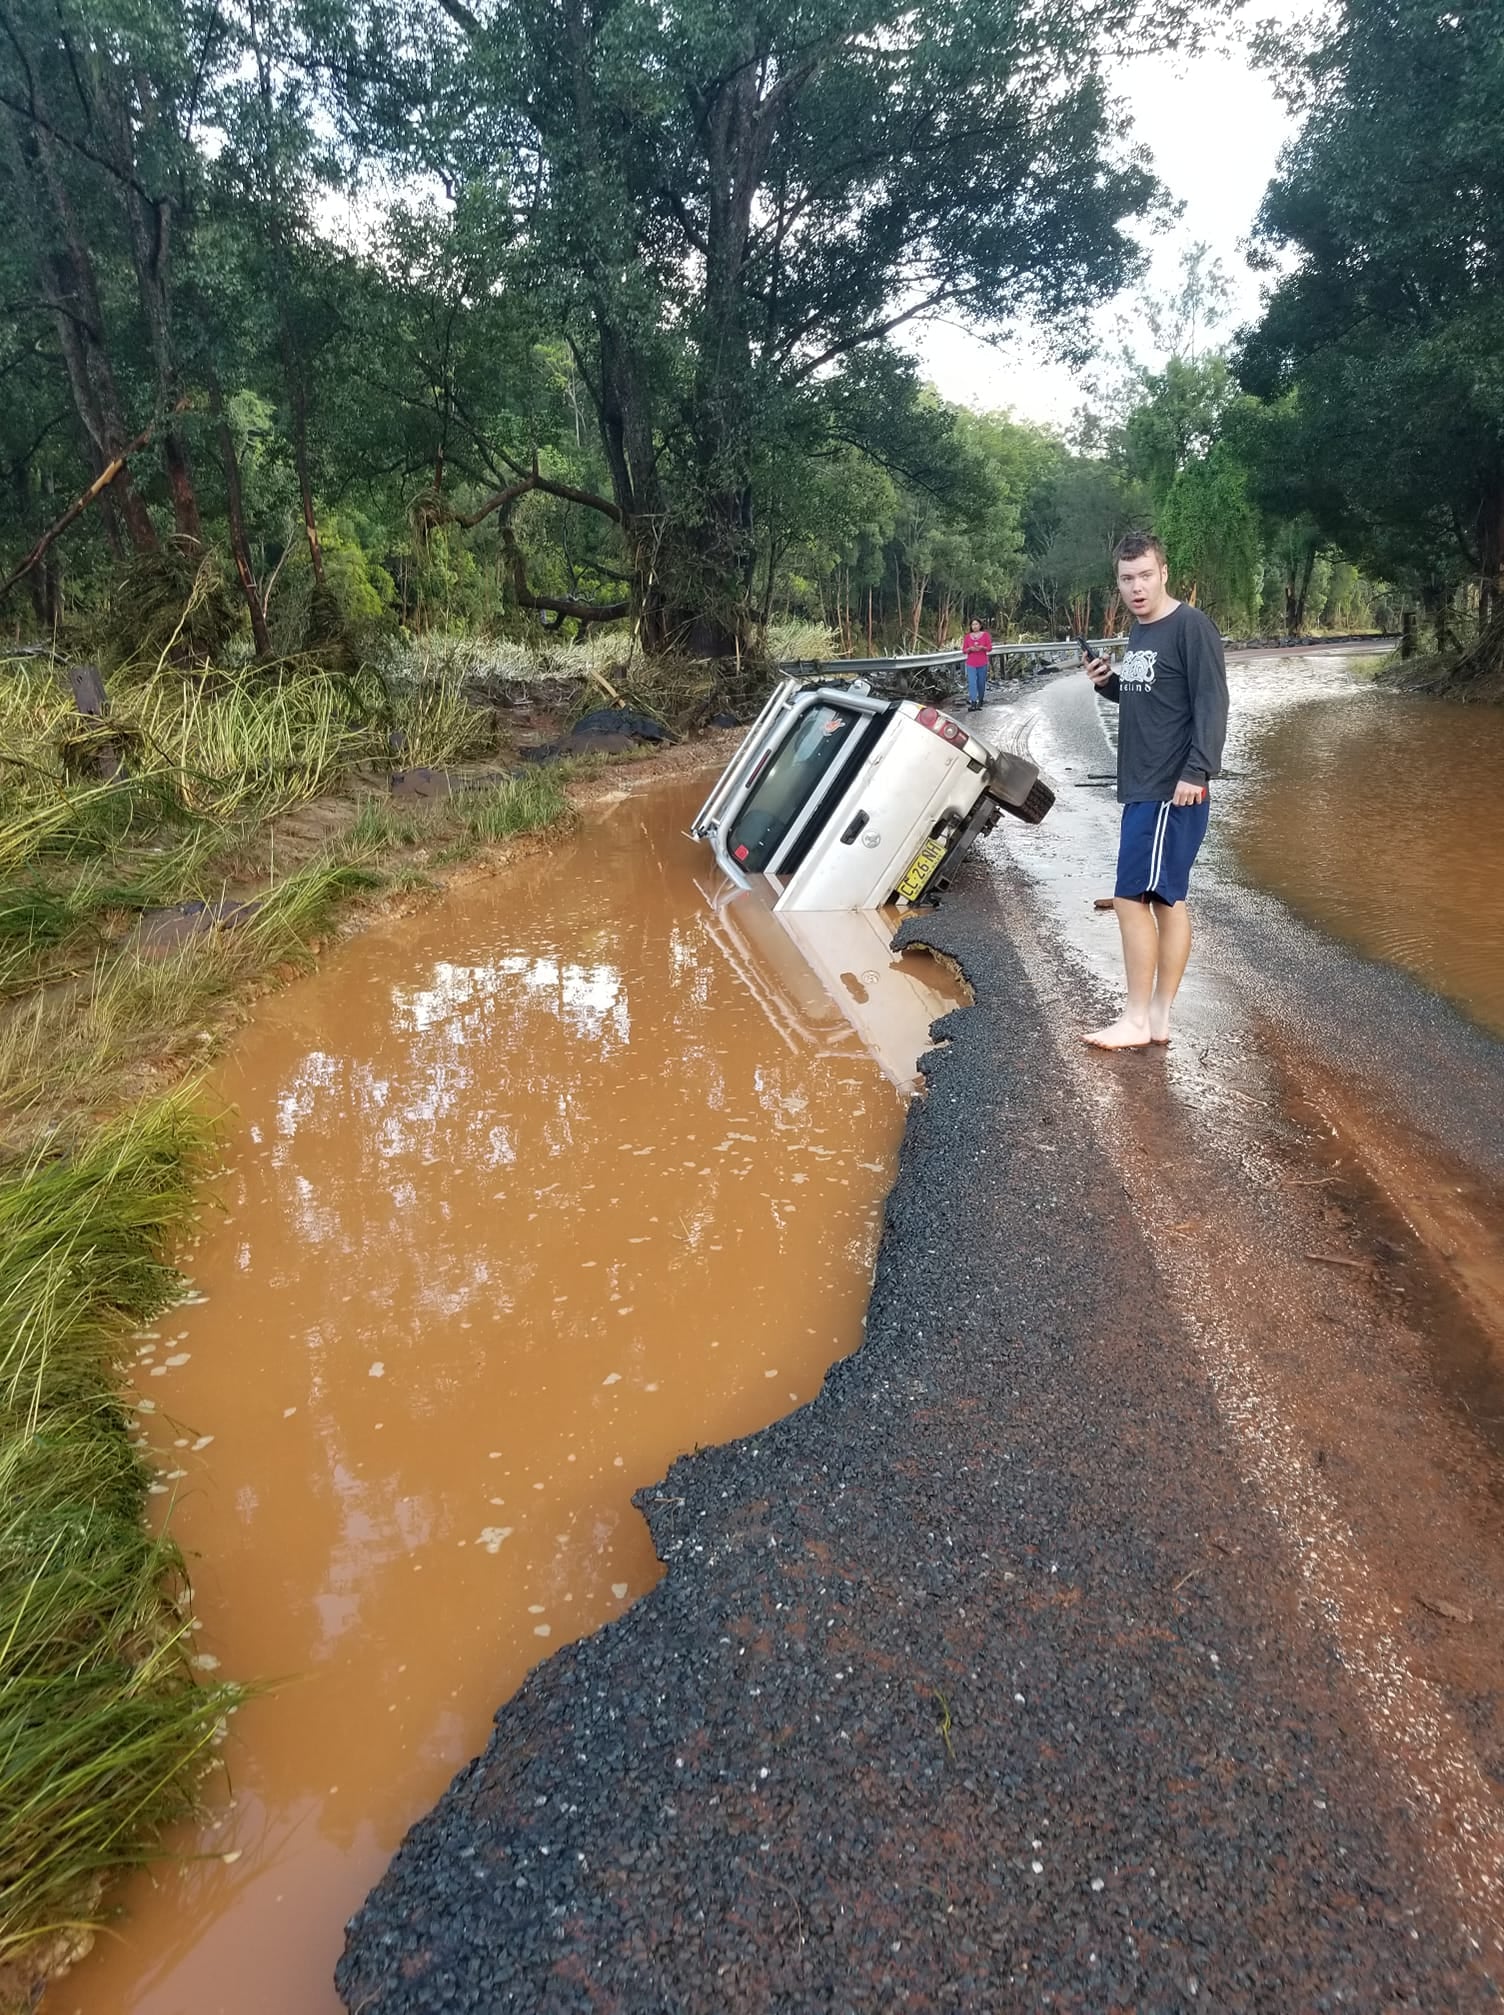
1159, 1024
1121, 1035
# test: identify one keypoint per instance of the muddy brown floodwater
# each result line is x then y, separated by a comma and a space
1380, 818
527, 1194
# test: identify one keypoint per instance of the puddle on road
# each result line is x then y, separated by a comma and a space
1376, 816
530, 1193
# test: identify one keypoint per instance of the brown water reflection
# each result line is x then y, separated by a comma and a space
530, 1193
1380, 818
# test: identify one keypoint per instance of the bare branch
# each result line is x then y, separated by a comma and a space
875, 329
76, 509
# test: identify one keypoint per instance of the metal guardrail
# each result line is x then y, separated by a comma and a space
1065, 651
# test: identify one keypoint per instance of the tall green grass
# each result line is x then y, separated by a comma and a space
136, 1014
53, 919
104, 1732
523, 804
222, 747
792, 638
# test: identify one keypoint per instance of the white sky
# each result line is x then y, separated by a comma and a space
1215, 129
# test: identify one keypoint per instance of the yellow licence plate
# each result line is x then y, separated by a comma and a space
923, 865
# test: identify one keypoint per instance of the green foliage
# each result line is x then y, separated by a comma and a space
1083, 507
1176, 420
663, 278
1211, 535
1380, 344
657, 278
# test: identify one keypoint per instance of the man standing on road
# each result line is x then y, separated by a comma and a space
1171, 693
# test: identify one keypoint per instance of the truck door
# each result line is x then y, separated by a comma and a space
775, 813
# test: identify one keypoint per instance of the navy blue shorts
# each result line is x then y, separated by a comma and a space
1158, 846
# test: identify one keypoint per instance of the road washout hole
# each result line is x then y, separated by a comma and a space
526, 1195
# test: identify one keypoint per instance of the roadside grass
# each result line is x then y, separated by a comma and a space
262, 798
524, 804
104, 1729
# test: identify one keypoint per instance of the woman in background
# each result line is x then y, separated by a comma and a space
977, 644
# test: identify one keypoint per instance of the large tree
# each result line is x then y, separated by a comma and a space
1391, 201
723, 205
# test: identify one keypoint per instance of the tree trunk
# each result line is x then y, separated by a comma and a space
1435, 601
765, 611
235, 507
1491, 556
690, 579
920, 584
66, 281
36, 580
1295, 611
185, 512
150, 233
263, 37
292, 364
109, 517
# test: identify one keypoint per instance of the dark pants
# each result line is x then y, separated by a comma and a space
976, 683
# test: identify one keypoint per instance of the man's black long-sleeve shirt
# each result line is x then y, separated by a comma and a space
1171, 690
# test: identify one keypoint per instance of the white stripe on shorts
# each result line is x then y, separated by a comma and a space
1157, 851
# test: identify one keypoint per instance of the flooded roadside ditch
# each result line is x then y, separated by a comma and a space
526, 1194
1375, 816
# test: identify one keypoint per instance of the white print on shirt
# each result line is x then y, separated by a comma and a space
1137, 668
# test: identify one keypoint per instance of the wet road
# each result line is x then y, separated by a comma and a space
1123, 1627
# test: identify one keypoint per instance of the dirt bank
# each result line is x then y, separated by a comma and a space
1439, 677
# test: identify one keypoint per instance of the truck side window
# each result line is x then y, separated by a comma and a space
784, 789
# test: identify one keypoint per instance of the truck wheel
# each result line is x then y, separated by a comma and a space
1035, 805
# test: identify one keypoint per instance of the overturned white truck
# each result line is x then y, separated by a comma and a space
843, 800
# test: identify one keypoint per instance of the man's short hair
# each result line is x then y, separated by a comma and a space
1134, 545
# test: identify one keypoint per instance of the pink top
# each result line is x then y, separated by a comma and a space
978, 648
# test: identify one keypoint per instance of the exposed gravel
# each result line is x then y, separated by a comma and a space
978, 1683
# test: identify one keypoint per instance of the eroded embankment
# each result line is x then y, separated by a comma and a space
982, 1679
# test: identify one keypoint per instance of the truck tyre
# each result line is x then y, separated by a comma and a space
1035, 805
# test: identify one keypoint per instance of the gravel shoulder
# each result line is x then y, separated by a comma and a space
1038, 1662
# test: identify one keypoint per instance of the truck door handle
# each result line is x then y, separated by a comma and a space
849, 836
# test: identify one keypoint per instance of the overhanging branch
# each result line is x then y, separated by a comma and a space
502, 505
